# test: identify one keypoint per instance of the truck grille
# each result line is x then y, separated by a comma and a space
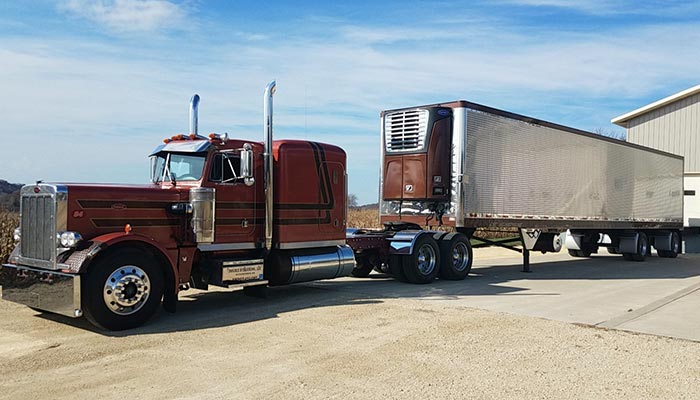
406, 130
38, 227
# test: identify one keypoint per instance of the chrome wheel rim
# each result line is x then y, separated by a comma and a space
460, 257
126, 290
426, 259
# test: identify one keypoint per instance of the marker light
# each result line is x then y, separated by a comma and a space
17, 235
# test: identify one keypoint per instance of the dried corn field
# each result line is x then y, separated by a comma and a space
8, 222
363, 218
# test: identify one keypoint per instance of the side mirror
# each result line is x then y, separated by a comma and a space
246, 169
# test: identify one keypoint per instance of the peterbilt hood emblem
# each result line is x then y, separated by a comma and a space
118, 206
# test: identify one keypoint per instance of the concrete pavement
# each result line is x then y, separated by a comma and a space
659, 296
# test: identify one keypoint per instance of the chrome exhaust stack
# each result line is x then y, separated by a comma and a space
194, 115
269, 162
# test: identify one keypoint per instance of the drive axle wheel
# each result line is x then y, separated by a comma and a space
122, 290
423, 265
456, 256
364, 264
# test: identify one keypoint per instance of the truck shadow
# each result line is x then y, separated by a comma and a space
205, 310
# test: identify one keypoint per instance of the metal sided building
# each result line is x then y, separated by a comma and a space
672, 124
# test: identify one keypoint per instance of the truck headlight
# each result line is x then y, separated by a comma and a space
17, 235
69, 240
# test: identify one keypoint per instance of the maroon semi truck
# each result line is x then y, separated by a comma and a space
219, 211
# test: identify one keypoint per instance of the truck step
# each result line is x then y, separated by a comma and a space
241, 285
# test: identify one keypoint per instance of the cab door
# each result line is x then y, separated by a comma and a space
236, 202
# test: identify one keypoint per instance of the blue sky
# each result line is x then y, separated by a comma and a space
90, 87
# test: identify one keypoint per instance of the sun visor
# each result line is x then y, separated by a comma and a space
183, 146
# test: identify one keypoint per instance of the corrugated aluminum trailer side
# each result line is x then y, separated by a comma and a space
549, 176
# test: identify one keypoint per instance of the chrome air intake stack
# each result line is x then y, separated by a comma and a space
269, 162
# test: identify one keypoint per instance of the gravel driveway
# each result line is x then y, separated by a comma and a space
315, 341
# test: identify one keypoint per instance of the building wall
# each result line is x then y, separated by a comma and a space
674, 128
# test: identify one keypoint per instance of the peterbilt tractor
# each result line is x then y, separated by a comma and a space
247, 215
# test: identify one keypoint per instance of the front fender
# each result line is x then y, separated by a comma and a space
79, 260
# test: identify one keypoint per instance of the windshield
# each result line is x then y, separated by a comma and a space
178, 167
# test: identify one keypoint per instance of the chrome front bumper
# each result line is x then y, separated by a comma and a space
52, 291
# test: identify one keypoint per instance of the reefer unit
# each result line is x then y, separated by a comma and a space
468, 165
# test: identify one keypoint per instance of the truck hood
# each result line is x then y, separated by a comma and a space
95, 209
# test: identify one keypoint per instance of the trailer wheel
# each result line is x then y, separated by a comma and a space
456, 257
675, 247
123, 290
423, 265
642, 249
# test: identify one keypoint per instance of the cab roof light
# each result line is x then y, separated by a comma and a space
221, 137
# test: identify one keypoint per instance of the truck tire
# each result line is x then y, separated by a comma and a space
122, 290
362, 267
396, 268
423, 265
642, 249
675, 247
455, 256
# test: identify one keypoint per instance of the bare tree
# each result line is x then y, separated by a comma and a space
352, 200
611, 133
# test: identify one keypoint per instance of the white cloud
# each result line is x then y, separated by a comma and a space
678, 8
127, 15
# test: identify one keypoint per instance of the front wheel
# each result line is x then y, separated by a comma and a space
423, 265
122, 290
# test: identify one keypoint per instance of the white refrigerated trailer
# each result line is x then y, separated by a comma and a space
468, 166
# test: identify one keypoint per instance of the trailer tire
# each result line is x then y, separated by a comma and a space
423, 265
122, 290
642, 249
675, 247
456, 257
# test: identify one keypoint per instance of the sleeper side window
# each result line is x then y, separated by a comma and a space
225, 168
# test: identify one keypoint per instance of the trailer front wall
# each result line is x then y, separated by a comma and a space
522, 170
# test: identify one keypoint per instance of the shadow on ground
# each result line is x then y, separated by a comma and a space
205, 310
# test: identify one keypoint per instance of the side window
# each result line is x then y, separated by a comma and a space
225, 168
